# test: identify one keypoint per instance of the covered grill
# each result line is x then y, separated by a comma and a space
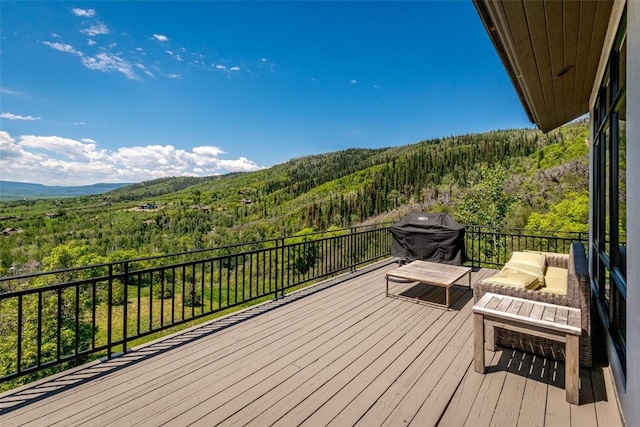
432, 237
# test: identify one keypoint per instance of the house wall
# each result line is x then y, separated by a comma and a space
630, 399
628, 387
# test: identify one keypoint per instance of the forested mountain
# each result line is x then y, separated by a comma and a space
505, 178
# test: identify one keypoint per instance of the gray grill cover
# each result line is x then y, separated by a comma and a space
428, 237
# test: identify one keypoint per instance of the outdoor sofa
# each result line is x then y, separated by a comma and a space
561, 279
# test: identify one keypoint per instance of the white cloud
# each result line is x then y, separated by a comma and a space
96, 29
108, 62
241, 165
144, 69
10, 92
91, 42
174, 76
63, 47
8, 147
57, 160
161, 38
84, 12
234, 69
103, 61
207, 151
55, 35
62, 146
175, 55
17, 117
353, 82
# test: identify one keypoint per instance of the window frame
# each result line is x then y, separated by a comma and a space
608, 272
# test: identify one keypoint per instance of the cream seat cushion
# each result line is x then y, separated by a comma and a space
515, 279
555, 281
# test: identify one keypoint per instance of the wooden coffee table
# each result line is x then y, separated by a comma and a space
432, 273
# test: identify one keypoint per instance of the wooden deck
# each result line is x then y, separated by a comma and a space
336, 354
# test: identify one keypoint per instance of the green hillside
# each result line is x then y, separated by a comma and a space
509, 178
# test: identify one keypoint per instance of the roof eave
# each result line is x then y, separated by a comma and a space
490, 27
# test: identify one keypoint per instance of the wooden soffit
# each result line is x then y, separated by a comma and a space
551, 50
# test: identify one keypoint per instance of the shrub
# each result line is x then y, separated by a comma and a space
117, 293
191, 297
162, 292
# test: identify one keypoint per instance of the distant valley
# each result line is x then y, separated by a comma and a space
10, 190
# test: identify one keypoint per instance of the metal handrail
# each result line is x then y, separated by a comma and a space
492, 246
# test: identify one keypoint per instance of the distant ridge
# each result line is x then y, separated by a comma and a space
10, 190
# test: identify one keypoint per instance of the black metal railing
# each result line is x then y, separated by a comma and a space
67, 316
491, 247
52, 320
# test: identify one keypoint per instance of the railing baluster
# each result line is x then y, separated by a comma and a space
77, 321
138, 302
93, 315
243, 277
219, 284
277, 274
109, 309
19, 333
151, 275
264, 268
193, 291
125, 306
59, 323
184, 278
39, 338
282, 267
211, 293
161, 298
202, 274
235, 279
173, 295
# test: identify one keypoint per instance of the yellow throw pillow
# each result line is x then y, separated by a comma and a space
528, 262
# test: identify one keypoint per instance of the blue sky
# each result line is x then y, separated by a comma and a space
131, 91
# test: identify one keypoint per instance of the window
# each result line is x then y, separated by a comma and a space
609, 210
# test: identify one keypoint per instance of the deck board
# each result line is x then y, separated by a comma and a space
335, 354
558, 411
535, 393
511, 397
314, 387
